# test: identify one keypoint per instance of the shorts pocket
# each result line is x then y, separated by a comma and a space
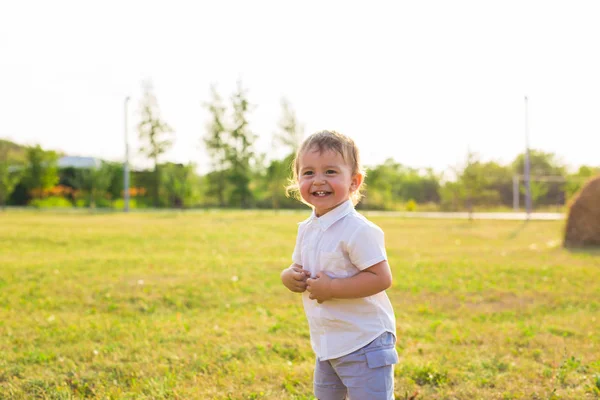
380, 362
382, 357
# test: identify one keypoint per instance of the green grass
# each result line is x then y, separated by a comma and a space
190, 306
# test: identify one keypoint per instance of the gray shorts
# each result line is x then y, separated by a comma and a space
368, 373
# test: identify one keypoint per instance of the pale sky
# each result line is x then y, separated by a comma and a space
418, 81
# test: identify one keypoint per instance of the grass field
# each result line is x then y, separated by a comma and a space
190, 306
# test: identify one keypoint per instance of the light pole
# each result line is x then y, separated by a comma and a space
527, 171
126, 163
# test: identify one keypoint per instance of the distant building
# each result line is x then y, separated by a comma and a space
79, 162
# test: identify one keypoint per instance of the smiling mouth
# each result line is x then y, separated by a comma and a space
321, 193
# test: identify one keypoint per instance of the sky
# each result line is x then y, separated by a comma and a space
422, 82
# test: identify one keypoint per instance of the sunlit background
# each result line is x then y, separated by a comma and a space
417, 81
422, 83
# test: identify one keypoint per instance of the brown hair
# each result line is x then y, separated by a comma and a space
323, 141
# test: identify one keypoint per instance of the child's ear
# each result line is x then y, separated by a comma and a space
357, 180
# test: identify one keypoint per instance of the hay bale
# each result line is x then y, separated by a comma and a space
583, 222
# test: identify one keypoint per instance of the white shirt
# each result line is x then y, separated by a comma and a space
340, 244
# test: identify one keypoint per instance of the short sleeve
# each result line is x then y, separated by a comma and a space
366, 247
297, 254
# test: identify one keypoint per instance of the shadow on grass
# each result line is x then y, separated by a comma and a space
587, 250
515, 234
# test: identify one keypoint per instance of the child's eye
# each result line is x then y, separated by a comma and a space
330, 172
307, 173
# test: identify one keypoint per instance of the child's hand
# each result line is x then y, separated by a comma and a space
294, 278
319, 287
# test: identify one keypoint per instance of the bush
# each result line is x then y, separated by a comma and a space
119, 204
411, 205
100, 202
51, 202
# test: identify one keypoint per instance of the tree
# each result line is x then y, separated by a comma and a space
41, 172
381, 180
474, 185
576, 180
538, 190
10, 174
240, 152
392, 182
116, 186
291, 131
155, 134
543, 165
179, 182
499, 181
277, 175
451, 196
471, 179
288, 139
217, 146
93, 181
421, 187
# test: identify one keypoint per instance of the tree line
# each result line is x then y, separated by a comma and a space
240, 177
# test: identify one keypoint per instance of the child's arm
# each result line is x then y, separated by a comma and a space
294, 278
368, 282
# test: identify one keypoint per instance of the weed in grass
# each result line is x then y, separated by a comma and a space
562, 332
595, 387
288, 352
568, 365
495, 365
80, 386
514, 395
292, 384
528, 331
274, 328
38, 357
412, 396
36, 388
15, 371
426, 375
485, 382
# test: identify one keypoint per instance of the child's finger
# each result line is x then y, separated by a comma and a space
299, 276
301, 270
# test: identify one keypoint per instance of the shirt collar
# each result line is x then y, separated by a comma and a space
333, 216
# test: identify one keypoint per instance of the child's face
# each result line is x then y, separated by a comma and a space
325, 179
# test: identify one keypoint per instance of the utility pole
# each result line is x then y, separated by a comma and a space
527, 165
126, 163
516, 193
